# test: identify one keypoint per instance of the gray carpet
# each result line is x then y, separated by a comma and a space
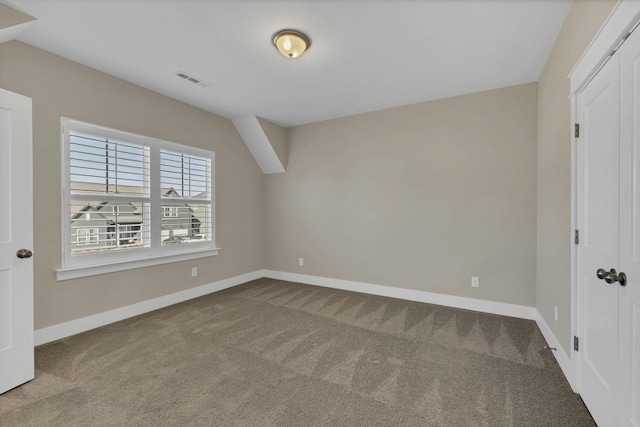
273, 353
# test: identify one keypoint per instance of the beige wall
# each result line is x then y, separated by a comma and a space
420, 197
10, 17
553, 279
63, 88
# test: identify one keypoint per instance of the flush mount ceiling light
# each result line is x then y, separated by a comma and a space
291, 43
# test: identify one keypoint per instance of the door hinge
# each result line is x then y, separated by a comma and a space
575, 343
576, 237
576, 128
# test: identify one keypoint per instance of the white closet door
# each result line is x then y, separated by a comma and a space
598, 207
630, 231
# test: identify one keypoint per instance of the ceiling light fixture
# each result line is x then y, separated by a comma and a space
291, 43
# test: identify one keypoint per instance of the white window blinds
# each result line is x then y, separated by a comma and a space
185, 181
187, 175
115, 173
107, 166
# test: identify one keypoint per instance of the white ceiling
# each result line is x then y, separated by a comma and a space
365, 55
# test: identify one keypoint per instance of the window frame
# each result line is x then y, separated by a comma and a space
80, 265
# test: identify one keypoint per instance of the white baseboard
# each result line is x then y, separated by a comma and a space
561, 357
505, 309
66, 329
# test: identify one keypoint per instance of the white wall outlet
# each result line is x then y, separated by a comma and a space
555, 312
300, 261
194, 271
475, 282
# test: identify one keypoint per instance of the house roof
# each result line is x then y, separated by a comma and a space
91, 187
132, 217
97, 209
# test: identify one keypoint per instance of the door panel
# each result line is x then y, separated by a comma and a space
5, 173
600, 120
630, 368
598, 207
16, 232
630, 230
601, 299
5, 309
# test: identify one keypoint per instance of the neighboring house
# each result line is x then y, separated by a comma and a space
106, 225
116, 225
179, 220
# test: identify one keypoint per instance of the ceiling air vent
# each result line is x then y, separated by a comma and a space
192, 79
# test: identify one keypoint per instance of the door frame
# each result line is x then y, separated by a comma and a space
624, 17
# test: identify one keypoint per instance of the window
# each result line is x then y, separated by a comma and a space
128, 199
170, 212
87, 236
129, 235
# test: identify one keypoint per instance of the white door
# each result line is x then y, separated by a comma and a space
16, 232
598, 208
630, 231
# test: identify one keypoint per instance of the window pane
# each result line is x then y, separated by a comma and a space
184, 223
184, 175
99, 226
109, 166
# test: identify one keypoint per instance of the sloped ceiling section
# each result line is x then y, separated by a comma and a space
277, 136
12, 23
271, 153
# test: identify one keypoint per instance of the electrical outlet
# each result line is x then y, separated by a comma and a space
194, 271
555, 312
475, 282
300, 261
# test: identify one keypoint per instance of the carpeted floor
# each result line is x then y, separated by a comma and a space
273, 353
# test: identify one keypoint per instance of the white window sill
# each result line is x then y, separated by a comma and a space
94, 270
